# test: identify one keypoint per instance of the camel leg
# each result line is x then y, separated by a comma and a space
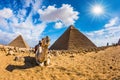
37, 62
41, 64
47, 62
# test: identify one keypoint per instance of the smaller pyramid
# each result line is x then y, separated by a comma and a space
19, 42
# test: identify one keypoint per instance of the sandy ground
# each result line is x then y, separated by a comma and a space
103, 65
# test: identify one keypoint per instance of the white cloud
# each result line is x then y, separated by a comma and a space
6, 13
28, 30
65, 14
12, 25
36, 4
3, 22
112, 22
21, 15
99, 32
27, 3
110, 33
19, 25
6, 37
58, 25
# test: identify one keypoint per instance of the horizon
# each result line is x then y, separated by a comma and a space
35, 19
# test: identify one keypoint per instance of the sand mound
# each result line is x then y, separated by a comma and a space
103, 65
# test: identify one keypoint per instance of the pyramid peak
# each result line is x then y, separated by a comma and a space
71, 27
20, 35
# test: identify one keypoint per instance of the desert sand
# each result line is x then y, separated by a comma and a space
101, 65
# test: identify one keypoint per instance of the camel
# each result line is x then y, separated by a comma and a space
42, 52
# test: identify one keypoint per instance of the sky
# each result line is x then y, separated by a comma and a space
99, 20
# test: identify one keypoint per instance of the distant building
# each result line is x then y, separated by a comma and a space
107, 44
119, 42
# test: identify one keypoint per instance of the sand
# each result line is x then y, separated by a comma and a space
103, 65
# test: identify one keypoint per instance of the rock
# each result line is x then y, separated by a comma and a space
10, 53
20, 59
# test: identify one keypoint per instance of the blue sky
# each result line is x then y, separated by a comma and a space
34, 19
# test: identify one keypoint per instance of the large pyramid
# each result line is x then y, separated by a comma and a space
72, 39
19, 42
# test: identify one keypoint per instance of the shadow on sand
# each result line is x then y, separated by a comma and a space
29, 63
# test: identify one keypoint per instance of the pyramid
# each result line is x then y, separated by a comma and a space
19, 42
72, 39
